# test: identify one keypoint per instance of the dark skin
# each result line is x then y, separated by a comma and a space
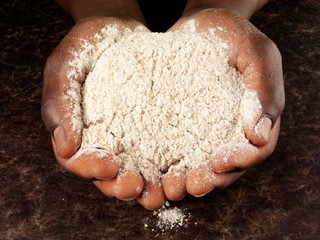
250, 51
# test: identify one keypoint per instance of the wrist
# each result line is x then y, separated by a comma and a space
246, 8
125, 9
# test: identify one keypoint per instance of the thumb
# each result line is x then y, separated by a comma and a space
65, 128
257, 123
263, 99
61, 110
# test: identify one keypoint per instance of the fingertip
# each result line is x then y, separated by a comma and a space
59, 137
153, 196
200, 180
65, 142
174, 185
129, 185
220, 160
259, 134
93, 163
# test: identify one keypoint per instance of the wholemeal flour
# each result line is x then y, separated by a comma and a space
170, 218
161, 101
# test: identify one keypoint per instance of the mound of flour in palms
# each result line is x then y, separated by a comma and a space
160, 101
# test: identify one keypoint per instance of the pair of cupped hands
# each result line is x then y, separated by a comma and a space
250, 52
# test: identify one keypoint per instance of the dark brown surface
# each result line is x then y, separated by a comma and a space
279, 199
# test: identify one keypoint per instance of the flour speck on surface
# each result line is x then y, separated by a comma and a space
159, 101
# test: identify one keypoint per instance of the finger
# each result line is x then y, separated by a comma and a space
201, 180
223, 180
241, 156
174, 185
234, 157
93, 163
127, 185
61, 111
153, 196
90, 163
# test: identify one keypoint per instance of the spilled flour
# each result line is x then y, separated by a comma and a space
169, 218
160, 101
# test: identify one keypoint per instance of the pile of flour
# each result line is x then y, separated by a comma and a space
170, 218
160, 101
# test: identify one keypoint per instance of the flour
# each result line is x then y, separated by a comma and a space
159, 101
167, 219
250, 108
84, 59
170, 218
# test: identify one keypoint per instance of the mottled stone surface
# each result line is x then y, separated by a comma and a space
279, 199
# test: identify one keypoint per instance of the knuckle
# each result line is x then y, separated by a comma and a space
47, 116
273, 48
50, 66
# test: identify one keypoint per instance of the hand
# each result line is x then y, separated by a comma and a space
62, 117
259, 60
62, 114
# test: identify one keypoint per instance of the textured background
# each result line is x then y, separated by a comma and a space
279, 199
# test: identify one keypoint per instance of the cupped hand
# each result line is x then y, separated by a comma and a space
65, 72
259, 60
251, 52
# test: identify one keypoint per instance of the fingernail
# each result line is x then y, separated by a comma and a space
263, 128
59, 137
